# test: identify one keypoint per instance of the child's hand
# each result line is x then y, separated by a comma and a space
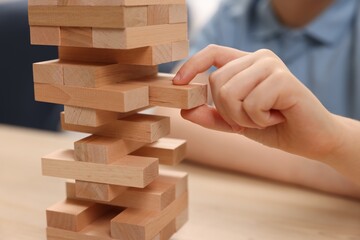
256, 95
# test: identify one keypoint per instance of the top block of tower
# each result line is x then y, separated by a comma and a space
113, 24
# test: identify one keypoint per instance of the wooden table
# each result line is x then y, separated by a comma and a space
222, 205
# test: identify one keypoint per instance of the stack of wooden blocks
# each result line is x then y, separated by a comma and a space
105, 76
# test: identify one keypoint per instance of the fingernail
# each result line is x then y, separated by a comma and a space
177, 77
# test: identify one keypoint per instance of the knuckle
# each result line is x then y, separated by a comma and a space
212, 47
213, 78
249, 106
265, 52
224, 93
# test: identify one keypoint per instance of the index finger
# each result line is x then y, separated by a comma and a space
212, 55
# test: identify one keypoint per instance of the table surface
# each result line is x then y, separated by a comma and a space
223, 205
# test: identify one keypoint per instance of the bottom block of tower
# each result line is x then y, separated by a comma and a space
139, 224
100, 230
74, 215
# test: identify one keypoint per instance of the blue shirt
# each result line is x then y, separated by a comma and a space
324, 55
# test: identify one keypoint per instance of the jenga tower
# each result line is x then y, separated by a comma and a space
105, 75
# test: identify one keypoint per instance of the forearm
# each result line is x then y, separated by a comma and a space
346, 158
235, 152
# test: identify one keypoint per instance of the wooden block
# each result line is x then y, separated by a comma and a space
100, 74
43, 2
103, 2
97, 191
181, 219
139, 224
104, 150
180, 179
114, 97
88, 116
76, 37
156, 196
158, 14
45, 35
152, 55
127, 171
51, 72
88, 16
98, 230
179, 50
139, 127
169, 151
164, 93
92, 117
139, 37
73, 215
173, 226
178, 13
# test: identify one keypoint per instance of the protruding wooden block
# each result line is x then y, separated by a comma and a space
88, 16
128, 171
138, 127
73, 215
156, 196
113, 97
152, 55
158, 14
45, 35
139, 224
169, 151
97, 191
164, 93
76, 37
139, 37
51, 72
178, 13
105, 150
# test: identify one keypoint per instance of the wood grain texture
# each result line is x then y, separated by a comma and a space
97, 191
88, 16
73, 215
98, 149
76, 37
139, 37
140, 127
152, 55
156, 196
45, 35
99, 74
169, 151
99, 230
114, 97
178, 13
88, 117
127, 171
180, 50
158, 14
102, 2
51, 72
163, 92
90, 75
139, 224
